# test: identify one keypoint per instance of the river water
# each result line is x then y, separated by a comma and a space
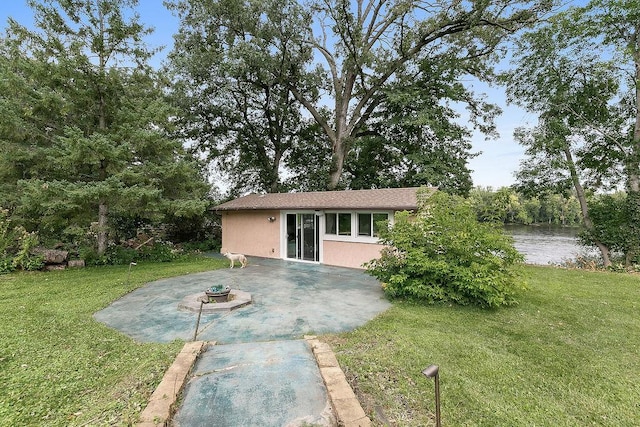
542, 244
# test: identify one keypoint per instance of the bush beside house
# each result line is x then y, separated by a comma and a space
443, 254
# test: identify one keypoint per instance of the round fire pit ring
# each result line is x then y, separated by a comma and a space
231, 300
218, 296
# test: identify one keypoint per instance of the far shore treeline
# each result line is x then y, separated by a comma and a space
508, 206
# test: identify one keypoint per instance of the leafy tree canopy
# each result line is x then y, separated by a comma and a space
230, 68
352, 68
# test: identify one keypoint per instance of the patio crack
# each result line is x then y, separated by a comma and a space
232, 367
212, 322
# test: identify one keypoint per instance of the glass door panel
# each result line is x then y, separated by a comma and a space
292, 236
303, 236
309, 237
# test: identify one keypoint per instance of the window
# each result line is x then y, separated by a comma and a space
368, 223
344, 224
377, 218
364, 224
330, 223
338, 223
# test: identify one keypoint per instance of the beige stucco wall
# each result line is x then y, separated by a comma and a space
251, 233
349, 254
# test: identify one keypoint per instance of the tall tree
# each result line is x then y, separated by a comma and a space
230, 66
617, 24
345, 56
581, 74
91, 127
365, 46
413, 138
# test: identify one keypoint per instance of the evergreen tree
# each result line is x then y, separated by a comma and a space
87, 139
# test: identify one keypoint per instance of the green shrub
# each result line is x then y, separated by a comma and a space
32, 263
16, 247
159, 252
6, 233
114, 255
6, 265
121, 255
91, 257
204, 246
24, 259
614, 225
443, 254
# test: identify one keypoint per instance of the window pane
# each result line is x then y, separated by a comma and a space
364, 224
330, 223
377, 218
344, 224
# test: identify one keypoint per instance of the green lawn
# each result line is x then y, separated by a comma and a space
58, 366
568, 355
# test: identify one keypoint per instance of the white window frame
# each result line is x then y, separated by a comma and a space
354, 236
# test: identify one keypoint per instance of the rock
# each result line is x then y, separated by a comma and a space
76, 263
53, 256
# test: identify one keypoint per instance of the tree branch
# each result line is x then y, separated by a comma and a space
315, 113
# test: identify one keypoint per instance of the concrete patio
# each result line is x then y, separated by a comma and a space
261, 372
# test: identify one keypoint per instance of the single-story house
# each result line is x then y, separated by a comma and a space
330, 227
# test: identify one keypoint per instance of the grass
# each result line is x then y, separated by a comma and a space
568, 355
60, 367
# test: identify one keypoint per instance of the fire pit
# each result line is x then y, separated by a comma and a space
213, 300
217, 294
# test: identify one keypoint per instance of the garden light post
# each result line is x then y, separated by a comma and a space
432, 372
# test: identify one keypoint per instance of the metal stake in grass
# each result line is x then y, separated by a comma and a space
129, 273
432, 372
202, 302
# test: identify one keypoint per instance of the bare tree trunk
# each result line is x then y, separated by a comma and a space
343, 128
633, 170
274, 185
636, 130
103, 216
337, 166
604, 250
103, 207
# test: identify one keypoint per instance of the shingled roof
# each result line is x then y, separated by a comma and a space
382, 199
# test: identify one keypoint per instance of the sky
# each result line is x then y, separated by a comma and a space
494, 167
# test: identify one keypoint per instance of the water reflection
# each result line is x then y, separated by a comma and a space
545, 244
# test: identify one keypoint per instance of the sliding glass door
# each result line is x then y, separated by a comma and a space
303, 236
